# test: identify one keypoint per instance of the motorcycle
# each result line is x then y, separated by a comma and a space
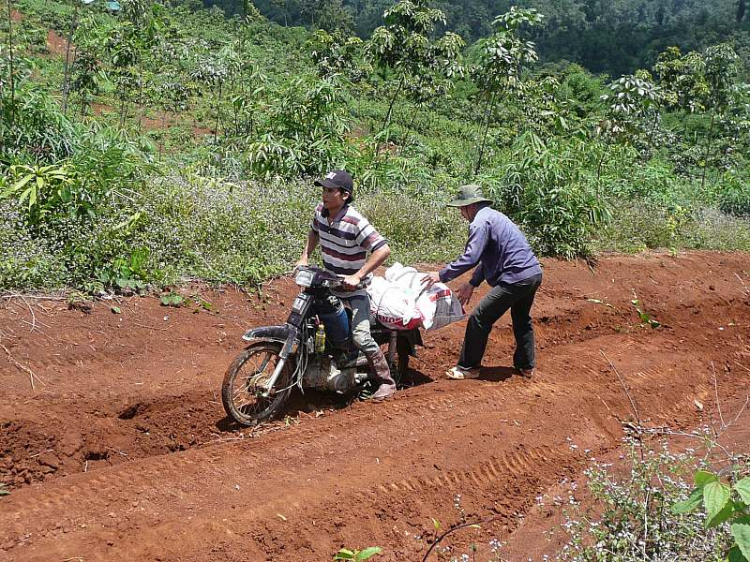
313, 350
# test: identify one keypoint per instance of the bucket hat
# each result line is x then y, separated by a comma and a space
469, 194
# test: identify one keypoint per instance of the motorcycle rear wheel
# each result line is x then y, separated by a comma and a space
241, 391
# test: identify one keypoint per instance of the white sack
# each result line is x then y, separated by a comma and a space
392, 297
393, 306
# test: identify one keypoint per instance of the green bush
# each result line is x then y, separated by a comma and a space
735, 197
549, 193
26, 261
640, 225
33, 127
633, 518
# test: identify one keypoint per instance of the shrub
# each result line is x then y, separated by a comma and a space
735, 197
548, 192
635, 520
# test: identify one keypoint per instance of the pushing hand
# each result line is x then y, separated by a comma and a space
429, 279
464, 293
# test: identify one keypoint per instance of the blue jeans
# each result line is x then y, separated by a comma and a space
361, 336
518, 297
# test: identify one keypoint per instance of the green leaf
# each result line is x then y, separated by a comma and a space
695, 499
715, 498
368, 553
743, 489
735, 555
436, 524
702, 478
741, 533
724, 515
344, 554
19, 184
171, 299
116, 310
4, 491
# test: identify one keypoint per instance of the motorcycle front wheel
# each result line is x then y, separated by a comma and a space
242, 392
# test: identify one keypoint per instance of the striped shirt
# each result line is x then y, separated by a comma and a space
345, 241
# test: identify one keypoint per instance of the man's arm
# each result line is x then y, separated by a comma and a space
477, 277
312, 243
466, 290
373, 262
478, 236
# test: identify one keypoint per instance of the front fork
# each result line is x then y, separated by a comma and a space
292, 341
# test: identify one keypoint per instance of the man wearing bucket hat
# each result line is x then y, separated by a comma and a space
506, 261
345, 238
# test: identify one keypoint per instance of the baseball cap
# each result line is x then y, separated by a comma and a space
340, 179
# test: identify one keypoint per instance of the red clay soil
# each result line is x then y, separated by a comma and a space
121, 449
57, 45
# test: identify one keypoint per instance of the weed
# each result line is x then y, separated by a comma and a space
723, 504
171, 299
358, 555
644, 317
634, 520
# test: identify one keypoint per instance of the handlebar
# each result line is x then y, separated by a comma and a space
322, 278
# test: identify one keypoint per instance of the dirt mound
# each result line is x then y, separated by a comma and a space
121, 451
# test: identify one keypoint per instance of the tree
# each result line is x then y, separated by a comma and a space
700, 83
113, 6
501, 59
11, 65
721, 72
214, 72
326, 14
404, 46
632, 99
334, 53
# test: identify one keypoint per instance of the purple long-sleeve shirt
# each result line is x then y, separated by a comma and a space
500, 249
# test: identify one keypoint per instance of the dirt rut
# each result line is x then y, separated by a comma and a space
123, 452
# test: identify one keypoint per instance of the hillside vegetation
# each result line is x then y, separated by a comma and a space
144, 143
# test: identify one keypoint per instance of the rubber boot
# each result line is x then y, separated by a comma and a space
383, 377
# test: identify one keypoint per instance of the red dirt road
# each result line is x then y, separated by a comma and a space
121, 451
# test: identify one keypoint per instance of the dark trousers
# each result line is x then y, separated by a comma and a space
518, 297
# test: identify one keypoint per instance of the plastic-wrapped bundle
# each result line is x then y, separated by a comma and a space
400, 302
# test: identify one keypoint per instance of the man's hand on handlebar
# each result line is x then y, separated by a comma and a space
350, 282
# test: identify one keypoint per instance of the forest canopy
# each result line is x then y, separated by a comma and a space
610, 36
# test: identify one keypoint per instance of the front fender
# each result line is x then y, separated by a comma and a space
268, 333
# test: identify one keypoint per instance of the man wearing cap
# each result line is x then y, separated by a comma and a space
508, 264
345, 238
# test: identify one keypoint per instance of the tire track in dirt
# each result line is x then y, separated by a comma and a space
297, 446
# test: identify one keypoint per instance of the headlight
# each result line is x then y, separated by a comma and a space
304, 278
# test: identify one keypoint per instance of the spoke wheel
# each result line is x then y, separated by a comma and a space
245, 382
